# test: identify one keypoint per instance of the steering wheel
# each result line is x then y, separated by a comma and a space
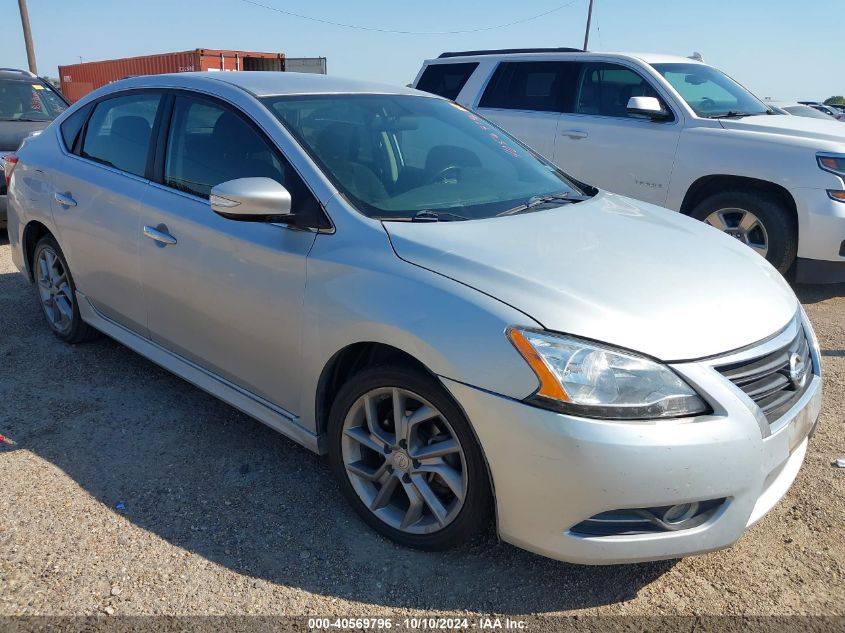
442, 175
707, 104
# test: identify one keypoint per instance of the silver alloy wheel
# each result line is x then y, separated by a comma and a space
404, 460
54, 290
743, 225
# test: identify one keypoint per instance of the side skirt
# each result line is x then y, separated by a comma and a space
275, 417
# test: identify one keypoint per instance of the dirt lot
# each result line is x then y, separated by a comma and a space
129, 491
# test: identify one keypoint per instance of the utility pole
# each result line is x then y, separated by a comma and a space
589, 19
27, 37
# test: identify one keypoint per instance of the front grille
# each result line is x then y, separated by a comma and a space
766, 379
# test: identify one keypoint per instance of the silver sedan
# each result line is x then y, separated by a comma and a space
469, 334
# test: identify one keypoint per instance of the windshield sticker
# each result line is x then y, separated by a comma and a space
502, 143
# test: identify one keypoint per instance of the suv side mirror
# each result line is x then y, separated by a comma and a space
251, 200
648, 106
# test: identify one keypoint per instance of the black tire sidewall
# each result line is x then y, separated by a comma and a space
475, 515
776, 219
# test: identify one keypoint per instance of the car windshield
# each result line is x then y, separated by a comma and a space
402, 157
710, 92
28, 101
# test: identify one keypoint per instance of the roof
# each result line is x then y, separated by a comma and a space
15, 73
648, 58
266, 83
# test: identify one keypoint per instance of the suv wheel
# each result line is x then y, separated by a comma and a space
407, 460
756, 219
57, 293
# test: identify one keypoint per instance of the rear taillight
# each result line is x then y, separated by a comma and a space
9, 162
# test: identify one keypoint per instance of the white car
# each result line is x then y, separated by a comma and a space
672, 131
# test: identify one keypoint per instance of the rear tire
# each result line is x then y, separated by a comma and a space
772, 225
57, 293
424, 485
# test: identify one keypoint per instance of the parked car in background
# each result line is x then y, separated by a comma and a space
797, 109
478, 332
672, 131
828, 110
27, 104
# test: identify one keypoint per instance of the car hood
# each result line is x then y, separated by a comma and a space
12, 133
786, 125
614, 270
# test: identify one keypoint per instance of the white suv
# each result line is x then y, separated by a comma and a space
672, 131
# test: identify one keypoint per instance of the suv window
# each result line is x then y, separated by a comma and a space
119, 132
538, 86
606, 88
209, 144
446, 80
29, 100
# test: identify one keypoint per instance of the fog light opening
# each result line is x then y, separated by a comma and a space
680, 514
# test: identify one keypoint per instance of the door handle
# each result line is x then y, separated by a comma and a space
64, 199
574, 134
159, 235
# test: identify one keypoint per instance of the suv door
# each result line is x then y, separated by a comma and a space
526, 99
601, 144
226, 295
98, 187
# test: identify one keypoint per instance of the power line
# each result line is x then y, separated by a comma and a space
400, 32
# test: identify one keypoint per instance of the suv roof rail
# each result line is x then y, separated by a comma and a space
19, 71
507, 51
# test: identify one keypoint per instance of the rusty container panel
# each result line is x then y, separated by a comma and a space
80, 79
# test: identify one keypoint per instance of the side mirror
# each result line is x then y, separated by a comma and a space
251, 200
647, 106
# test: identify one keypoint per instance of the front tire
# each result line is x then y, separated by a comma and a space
57, 293
758, 219
407, 460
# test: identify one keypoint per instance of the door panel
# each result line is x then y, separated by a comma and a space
227, 295
538, 130
601, 144
100, 236
96, 203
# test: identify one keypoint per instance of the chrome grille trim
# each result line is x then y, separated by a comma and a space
766, 378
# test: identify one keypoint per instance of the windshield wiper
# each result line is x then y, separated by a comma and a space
731, 114
426, 215
536, 201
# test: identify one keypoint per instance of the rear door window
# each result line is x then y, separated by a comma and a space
536, 86
605, 89
446, 80
119, 132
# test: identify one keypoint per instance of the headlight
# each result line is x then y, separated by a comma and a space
596, 381
834, 163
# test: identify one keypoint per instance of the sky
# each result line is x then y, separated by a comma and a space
777, 48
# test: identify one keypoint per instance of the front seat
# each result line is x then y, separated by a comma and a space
338, 146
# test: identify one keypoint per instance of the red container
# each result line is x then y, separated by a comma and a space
80, 79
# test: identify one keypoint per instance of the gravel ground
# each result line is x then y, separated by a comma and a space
130, 492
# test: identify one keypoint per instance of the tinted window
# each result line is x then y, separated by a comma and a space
446, 80
72, 125
119, 132
28, 100
209, 144
606, 88
542, 86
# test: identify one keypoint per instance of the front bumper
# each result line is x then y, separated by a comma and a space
821, 237
552, 471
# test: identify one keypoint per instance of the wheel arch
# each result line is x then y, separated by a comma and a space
355, 357
32, 233
716, 183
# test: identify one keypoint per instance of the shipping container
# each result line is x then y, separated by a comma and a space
80, 79
316, 65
